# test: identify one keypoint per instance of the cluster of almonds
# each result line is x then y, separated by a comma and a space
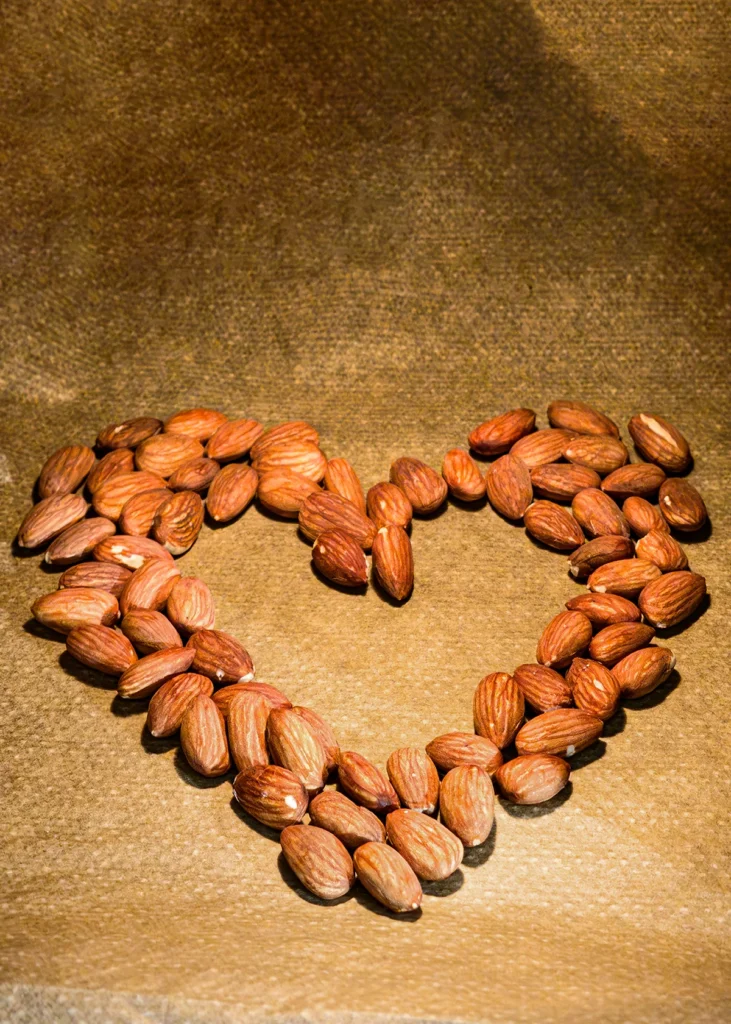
588, 657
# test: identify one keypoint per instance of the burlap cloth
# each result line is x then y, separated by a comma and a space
394, 220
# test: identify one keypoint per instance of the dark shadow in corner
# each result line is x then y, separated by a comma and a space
35, 628
444, 887
187, 774
360, 591
528, 811
656, 696
475, 856
666, 634
364, 898
88, 676
291, 880
256, 826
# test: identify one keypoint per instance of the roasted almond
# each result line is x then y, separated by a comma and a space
498, 708
415, 779
233, 439
602, 454
626, 578
422, 485
101, 648
284, 492
283, 434
580, 418
455, 748
79, 540
293, 745
246, 723
321, 730
97, 576
149, 586
387, 505
598, 514
323, 511
594, 687
195, 475
387, 877
164, 453
609, 548
659, 441
121, 460
560, 481
564, 732
565, 636
340, 478
319, 860
673, 597
508, 486
274, 697
178, 522
339, 557
467, 804
65, 470
131, 552
430, 849
220, 657
365, 783
130, 433
659, 547
542, 447
641, 480
50, 517
197, 423
353, 825
109, 499
643, 671
203, 737
642, 516
542, 687
272, 795
464, 480
150, 631
139, 512
682, 506
553, 526
614, 642
604, 609
148, 674
67, 609
168, 704
498, 435
533, 778
393, 561
303, 457
231, 491
190, 605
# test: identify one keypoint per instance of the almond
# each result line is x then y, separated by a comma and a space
283, 434
429, 848
149, 586
365, 784
284, 492
65, 470
580, 418
341, 478
598, 514
614, 642
50, 517
131, 552
272, 795
609, 548
220, 657
543, 688
564, 732
274, 697
498, 435
640, 480
319, 860
542, 447
594, 687
178, 522
121, 460
109, 499
508, 486
642, 516
231, 491
388, 505
325, 511
393, 561
97, 576
682, 506
565, 636
424, 488
415, 779
659, 547
233, 439
626, 578
387, 877
643, 671
455, 748
673, 597
190, 605
67, 609
467, 804
560, 481
101, 648
148, 674
196, 423
130, 433
553, 526
353, 825
164, 453
659, 441
293, 745
168, 704
195, 475
533, 778
321, 730
303, 457
139, 512
499, 708
340, 558
246, 724
203, 737
464, 480
79, 540
604, 609
150, 631
602, 454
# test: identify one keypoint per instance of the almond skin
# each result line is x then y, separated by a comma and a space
321, 730
365, 784
130, 433
682, 506
246, 724
498, 708
641, 480
190, 605
587, 558
353, 825
594, 687
659, 441
97, 576
149, 586
220, 657
272, 795
196, 423
467, 804
424, 488
178, 522
626, 578
323, 511
139, 512
563, 732
195, 475
580, 418
50, 517
169, 703
673, 597
415, 779
319, 860
430, 849
164, 453
148, 674
231, 491
454, 748
614, 642
542, 447
387, 877
284, 492
553, 526
643, 671
543, 688
387, 505
131, 552
79, 540
203, 738
65, 470
274, 697
340, 478
642, 516
604, 609
112, 464
284, 433
113, 495
508, 486
598, 514
659, 547
150, 631
293, 745
67, 609
602, 454
565, 636
533, 778
498, 435
303, 457
233, 439
340, 558
560, 481
101, 648
464, 480
393, 561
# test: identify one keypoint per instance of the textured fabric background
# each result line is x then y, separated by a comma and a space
394, 219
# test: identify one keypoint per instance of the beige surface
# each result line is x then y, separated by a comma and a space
393, 220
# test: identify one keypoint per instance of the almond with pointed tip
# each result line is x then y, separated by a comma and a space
293, 745
233, 439
274, 697
533, 778
660, 442
604, 609
203, 738
642, 516
178, 522
164, 453
220, 657
246, 724
415, 779
190, 605
422, 485
643, 671
498, 435
352, 824
101, 648
139, 512
303, 457
455, 748
594, 687
147, 675
560, 481
467, 804
130, 433
543, 688
431, 850
319, 860
598, 514
109, 499
284, 492
149, 586
340, 478
508, 486
542, 447
498, 708
67, 609
199, 424
323, 511
672, 598
272, 795
602, 454
150, 631
626, 578
121, 460
340, 558
565, 636
388, 877
50, 517
387, 505
168, 704
79, 540
641, 480
464, 480
580, 418
614, 642
599, 551
195, 475
97, 576
393, 561
563, 732
659, 547
365, 784
283, 434
322, 731
131, 552
65, 470
682, 506
553, 526
231, 491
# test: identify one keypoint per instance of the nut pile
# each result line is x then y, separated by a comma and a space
127, 611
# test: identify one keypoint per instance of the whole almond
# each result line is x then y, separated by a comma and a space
195, 475
303, 457
178, 522
454, 748
246, 724
272, 795
560, 481
148, 674
431, 850
464, 480
340, 558
643, 671
580, 418
498, 708
415, 779
284, 433
220, 657
233, 439
131, 552
149, 586
604, 609
609, 548
533, 778
79, 540
553, 526
387, 505
101, 648
168, 704
197, 423
65, 470
594, 687
388, 877
231, 491
274, 697
97, 576
203, 737
422, 485
293, 745
164, 453
130, 433
150, 631
543, 688
626, 578
50, 517
323, 732
614, 642
341, 478
121, 460
498, 435
319, 860
602, 454
139, 512
467, 804
642, 516
67, 609
659, 547
109, 499
682, 506
542, 447
659, 441
323, 511
564, 732
393, 561
190, 605
366, 784
673, 597
284, 492
508, 486
353, 825
598, 514
640, 480
565, 636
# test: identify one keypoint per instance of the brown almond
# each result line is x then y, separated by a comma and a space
415, 779
580, 418
430, 849
231, 491
322, 731
602, 454
659, 441
563, 732
565, 636
464, 480
168, 704
393, 561
365, 784
97, 576
626, 578
139, 512
293, 745
67, 609
148, 674
272, 795
150, 631
79, 540
508, 486
467, 804
682, 506
609, 548
553, 526
422, 485
190, 605
643, 671
340, 558
303, 457
199, 424
65, 470
673, 597
195, 475
178, 522
340, 478
130, 433
220, 657
614, 642
533, 778
543, 688
233, 439
121, 460
101, 648
323, 511
164, 453
353, 825
284, 492
542, 447
498, 708
246, 724
283, 434
560, 481
50, 517
387, 505
642, 516
387, 877
594, 687
659, 547
598, 514
149, 586
319, 860
274, 697
131, 552
203, 737
109, 499
455, 748
498, 435
604, 609
640, 480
